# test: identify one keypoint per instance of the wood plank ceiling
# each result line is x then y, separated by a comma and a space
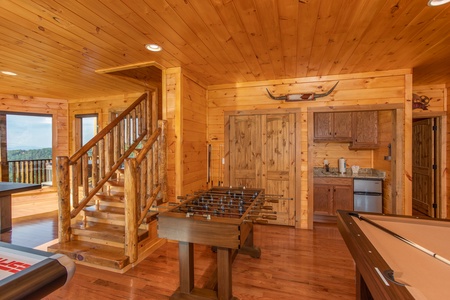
55, 46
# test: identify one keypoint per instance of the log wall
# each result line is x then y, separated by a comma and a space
375, 90
57, 108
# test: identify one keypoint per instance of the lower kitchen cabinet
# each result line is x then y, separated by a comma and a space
331, 194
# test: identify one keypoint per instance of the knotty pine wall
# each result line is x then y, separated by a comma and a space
377, 90
57, 108
438, 98
385, 137
186, 100
447, 149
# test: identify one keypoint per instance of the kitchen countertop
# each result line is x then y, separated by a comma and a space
363, 173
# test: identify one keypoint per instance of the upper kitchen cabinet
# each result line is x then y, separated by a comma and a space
364, 130
333, 127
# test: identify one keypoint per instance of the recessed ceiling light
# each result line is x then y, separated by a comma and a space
9, 73
153, 47
437, 2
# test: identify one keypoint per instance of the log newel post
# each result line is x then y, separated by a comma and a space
162, 160
131, 209
63, 183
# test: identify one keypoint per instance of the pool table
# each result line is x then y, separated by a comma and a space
389, 263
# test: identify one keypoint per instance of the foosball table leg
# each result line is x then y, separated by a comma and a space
248, 248
186, 255
224, 279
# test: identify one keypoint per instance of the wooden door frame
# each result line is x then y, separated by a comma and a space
399, 165
297, 146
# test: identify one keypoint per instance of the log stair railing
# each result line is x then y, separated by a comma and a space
107, 188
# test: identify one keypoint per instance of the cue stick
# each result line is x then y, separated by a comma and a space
405, 240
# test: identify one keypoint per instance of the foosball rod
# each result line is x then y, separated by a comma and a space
262, 196
226, 201
215, 204
205, 213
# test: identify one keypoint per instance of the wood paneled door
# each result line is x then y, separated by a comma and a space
261, 152
423, 162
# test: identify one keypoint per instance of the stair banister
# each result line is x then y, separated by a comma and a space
135, 212
108, 175
77, 155
96, 163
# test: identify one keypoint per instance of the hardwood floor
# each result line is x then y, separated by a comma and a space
32, 231
295, 264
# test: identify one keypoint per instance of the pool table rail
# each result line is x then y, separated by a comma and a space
370, 265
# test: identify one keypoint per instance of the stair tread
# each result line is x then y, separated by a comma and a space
102, 227
105, 232
115, 197
105, 209
114, 182
96, 254
105, 251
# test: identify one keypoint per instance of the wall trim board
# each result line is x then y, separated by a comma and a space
356, 107
390, 73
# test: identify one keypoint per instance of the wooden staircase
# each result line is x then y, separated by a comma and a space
107, 189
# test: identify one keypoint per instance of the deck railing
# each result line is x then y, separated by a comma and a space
37, 171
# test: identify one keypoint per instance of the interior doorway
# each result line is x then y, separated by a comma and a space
426, 165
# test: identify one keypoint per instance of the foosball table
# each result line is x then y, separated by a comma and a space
222, 218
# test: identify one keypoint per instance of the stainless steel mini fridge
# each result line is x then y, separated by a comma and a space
368, 195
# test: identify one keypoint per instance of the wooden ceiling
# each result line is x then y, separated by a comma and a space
55, 46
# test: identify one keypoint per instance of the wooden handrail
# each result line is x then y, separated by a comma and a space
148, 145
108, 175
77, 155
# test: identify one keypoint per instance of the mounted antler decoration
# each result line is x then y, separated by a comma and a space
301, 97
421, 102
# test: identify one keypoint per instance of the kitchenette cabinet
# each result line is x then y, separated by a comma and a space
333, 127
359, 128
364, 130
331, 194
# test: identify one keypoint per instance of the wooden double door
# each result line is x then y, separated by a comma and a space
261, 152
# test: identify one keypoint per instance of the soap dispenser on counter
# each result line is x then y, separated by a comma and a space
342, 165
326, 165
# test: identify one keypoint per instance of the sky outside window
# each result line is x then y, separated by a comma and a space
28, 132
89, 128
